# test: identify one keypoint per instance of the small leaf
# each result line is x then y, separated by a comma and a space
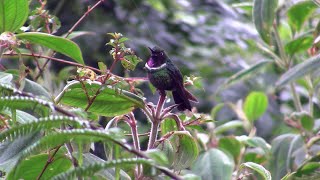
102, 67
130, 61
214, 164
299, 13
298, 71
59, 44
263, 17
158, 156
14, 14
258, 168
299, 44
243, 74
255, 105
123, 39
307, 122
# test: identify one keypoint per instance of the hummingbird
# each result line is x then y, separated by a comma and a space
165, 76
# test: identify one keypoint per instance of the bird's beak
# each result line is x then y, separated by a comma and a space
150, 49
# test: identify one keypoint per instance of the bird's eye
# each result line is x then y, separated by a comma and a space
161, 53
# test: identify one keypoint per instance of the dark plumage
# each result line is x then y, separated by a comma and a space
164, 75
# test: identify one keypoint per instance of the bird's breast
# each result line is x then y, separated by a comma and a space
161, 79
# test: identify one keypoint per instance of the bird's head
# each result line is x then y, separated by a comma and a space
158, 57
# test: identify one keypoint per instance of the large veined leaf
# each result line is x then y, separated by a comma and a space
30, 168
59, 44
185, 148
214, 164
299, 13
298, 71
109, 102
263, 16
13, 14
258, 168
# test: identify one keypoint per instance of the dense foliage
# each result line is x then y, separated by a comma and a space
69, 110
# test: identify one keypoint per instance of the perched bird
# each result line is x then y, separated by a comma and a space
164, 75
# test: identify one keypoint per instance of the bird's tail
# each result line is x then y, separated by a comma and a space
182, 97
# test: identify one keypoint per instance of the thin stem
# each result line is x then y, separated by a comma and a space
160, 103
50, 159
296, 98
82, 17
153, 134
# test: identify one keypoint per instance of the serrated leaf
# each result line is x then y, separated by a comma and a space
298, 71
37, 125
10, 152
59, 44
299, 13
109, 102
91, 169
258, 168
13, 13
130, 61
214, 164
243, 74
22, 103
255, 105
263, 17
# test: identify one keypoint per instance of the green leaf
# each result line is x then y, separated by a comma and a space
130, 61
298, 71
166, 147
29, 86
30, 168
10, 152
59, 44
214, 164
280, 152
76, 34
299, 44
91, 169
307, 122
299, 13
109, 102
13, 14
40, 124
168, 125
158, 156
228, 126
263, 17
22, 103
231, 145
243, 74
185, 148
258, 168
258, 142
255, 105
